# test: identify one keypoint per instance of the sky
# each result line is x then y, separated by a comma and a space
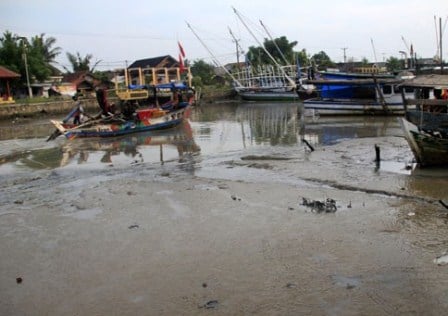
117, 33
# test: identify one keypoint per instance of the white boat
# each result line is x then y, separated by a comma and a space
356, 97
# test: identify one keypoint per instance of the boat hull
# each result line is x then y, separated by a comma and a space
352, 107
110, 127
428, 149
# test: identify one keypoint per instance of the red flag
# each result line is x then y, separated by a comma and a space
181, 49
181, 64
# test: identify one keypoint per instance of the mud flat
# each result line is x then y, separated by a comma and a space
230, 238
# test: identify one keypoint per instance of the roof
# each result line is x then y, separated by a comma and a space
6, 73
161, 61
428, 81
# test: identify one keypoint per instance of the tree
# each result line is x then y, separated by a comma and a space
202, 72
46, 45
302, 57
79, 63
393, 64
284, 54
322, 60
39, 53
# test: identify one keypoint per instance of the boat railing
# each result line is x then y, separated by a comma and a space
266, 76
137, 80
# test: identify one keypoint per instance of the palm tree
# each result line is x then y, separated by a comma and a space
81, 63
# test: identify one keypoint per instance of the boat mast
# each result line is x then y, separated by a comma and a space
214, 58
292, 82
275, 43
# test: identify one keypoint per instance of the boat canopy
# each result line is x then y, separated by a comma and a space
428, 81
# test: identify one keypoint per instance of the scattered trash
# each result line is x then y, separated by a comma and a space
235, 198
133, 226
291, 285
329, 206
411, 214
311, 148
442, 260
19, 280
349, 204
443, 204
18, 202
210, 304
204, 285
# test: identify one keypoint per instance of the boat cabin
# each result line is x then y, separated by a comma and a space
429, 93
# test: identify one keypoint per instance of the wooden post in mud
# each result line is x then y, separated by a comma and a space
377, 154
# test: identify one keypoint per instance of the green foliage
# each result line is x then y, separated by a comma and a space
204, 71
322, 60
393, 64
39, 53
79, 63
283, 55
302, 56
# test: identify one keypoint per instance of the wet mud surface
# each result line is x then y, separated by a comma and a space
219, 226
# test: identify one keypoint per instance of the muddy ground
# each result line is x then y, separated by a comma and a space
231, 238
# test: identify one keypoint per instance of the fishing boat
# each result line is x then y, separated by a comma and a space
140, 108
148, 119
425, 124
271, 83
428, 108
430, 148
356, 97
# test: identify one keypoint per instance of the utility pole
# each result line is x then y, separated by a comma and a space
345, 56
237, 45
25, 46
441, 55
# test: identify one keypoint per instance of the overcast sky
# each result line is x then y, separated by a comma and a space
118, 31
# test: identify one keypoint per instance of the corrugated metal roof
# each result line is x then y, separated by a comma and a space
437, 81
6, 73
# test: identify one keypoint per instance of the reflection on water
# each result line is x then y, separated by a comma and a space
174, 144
217, 129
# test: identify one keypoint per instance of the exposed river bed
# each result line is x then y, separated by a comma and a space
211, 217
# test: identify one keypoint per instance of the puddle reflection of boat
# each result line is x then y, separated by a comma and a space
136, 147
277, 124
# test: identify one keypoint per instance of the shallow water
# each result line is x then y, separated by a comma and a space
218, 135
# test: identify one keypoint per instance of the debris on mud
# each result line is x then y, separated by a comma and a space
210, 304
327, 206
441, 260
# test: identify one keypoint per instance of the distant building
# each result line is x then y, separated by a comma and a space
166, 61
6, 76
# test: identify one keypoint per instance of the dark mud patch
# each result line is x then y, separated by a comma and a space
265, 157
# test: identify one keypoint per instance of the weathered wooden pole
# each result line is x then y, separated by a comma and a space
377, 154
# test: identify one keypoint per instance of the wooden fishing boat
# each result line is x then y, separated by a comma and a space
428, 109
429, 148
141, 108
149, 119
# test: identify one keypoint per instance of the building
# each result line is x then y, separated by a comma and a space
6, 76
